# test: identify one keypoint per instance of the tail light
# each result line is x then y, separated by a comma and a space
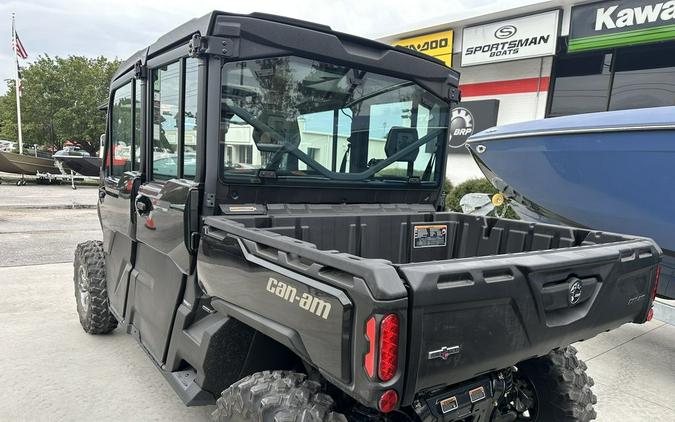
382, 347
652, 297
388, 358
388, 401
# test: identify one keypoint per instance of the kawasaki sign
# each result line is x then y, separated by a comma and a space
622, 22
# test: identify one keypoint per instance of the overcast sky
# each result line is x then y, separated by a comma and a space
120, 28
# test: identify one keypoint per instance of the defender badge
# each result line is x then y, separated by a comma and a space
443, 353
575, 292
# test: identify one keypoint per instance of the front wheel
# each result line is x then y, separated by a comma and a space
275, 396
91, 293
551, 388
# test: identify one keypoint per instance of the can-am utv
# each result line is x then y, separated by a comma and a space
274, 238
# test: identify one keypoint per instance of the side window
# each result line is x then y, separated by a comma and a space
190, 119
138, 141
121, 131
165, 113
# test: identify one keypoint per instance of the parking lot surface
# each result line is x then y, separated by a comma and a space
52, 371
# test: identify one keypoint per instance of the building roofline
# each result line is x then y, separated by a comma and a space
494, 12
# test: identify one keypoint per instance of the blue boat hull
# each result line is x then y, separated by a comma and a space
613, 181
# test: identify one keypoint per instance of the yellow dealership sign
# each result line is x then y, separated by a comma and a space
438, 44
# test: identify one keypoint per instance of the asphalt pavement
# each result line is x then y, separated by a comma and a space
52, 371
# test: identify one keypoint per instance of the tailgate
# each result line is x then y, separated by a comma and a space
470, 316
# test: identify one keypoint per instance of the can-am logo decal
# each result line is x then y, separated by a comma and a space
461, 126
612, 17
443, 353
506, 31
305, 301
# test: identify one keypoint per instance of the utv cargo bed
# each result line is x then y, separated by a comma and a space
475, 294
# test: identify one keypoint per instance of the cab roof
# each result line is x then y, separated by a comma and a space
209, 25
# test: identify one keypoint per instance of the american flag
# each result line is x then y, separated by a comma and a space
20, 51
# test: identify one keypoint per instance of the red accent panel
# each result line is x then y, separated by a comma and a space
657, 278
513, 86
369, 361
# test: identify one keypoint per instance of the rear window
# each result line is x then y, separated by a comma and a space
296, 119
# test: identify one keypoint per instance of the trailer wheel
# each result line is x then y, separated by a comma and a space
553, 388
275, 396
90, 289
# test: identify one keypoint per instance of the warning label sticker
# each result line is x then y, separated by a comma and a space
430, 236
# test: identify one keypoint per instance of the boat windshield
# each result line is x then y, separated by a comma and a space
288, 118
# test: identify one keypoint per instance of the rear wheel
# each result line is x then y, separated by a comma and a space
279, 396
552, 388
90, 289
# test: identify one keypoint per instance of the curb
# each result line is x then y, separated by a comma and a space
664, 312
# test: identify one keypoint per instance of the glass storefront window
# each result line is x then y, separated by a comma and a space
621, 79
643, 77
581, 84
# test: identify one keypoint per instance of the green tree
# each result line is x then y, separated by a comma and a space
8, 113
60, 101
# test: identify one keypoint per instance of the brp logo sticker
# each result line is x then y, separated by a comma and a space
461, 126
575, 292
506, 31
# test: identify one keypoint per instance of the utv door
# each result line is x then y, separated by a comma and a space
121, 178
162, 259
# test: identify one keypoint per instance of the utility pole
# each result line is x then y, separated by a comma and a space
16, 86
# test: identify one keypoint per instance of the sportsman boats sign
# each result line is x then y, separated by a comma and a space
513, 39
621, 22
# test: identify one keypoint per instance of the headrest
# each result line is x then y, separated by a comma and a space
398, 139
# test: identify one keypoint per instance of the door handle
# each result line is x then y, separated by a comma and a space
143, 205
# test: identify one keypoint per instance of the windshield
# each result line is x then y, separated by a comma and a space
289, 118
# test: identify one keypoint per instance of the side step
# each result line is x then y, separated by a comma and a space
183, 383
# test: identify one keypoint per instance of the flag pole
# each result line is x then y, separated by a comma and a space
16, 86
